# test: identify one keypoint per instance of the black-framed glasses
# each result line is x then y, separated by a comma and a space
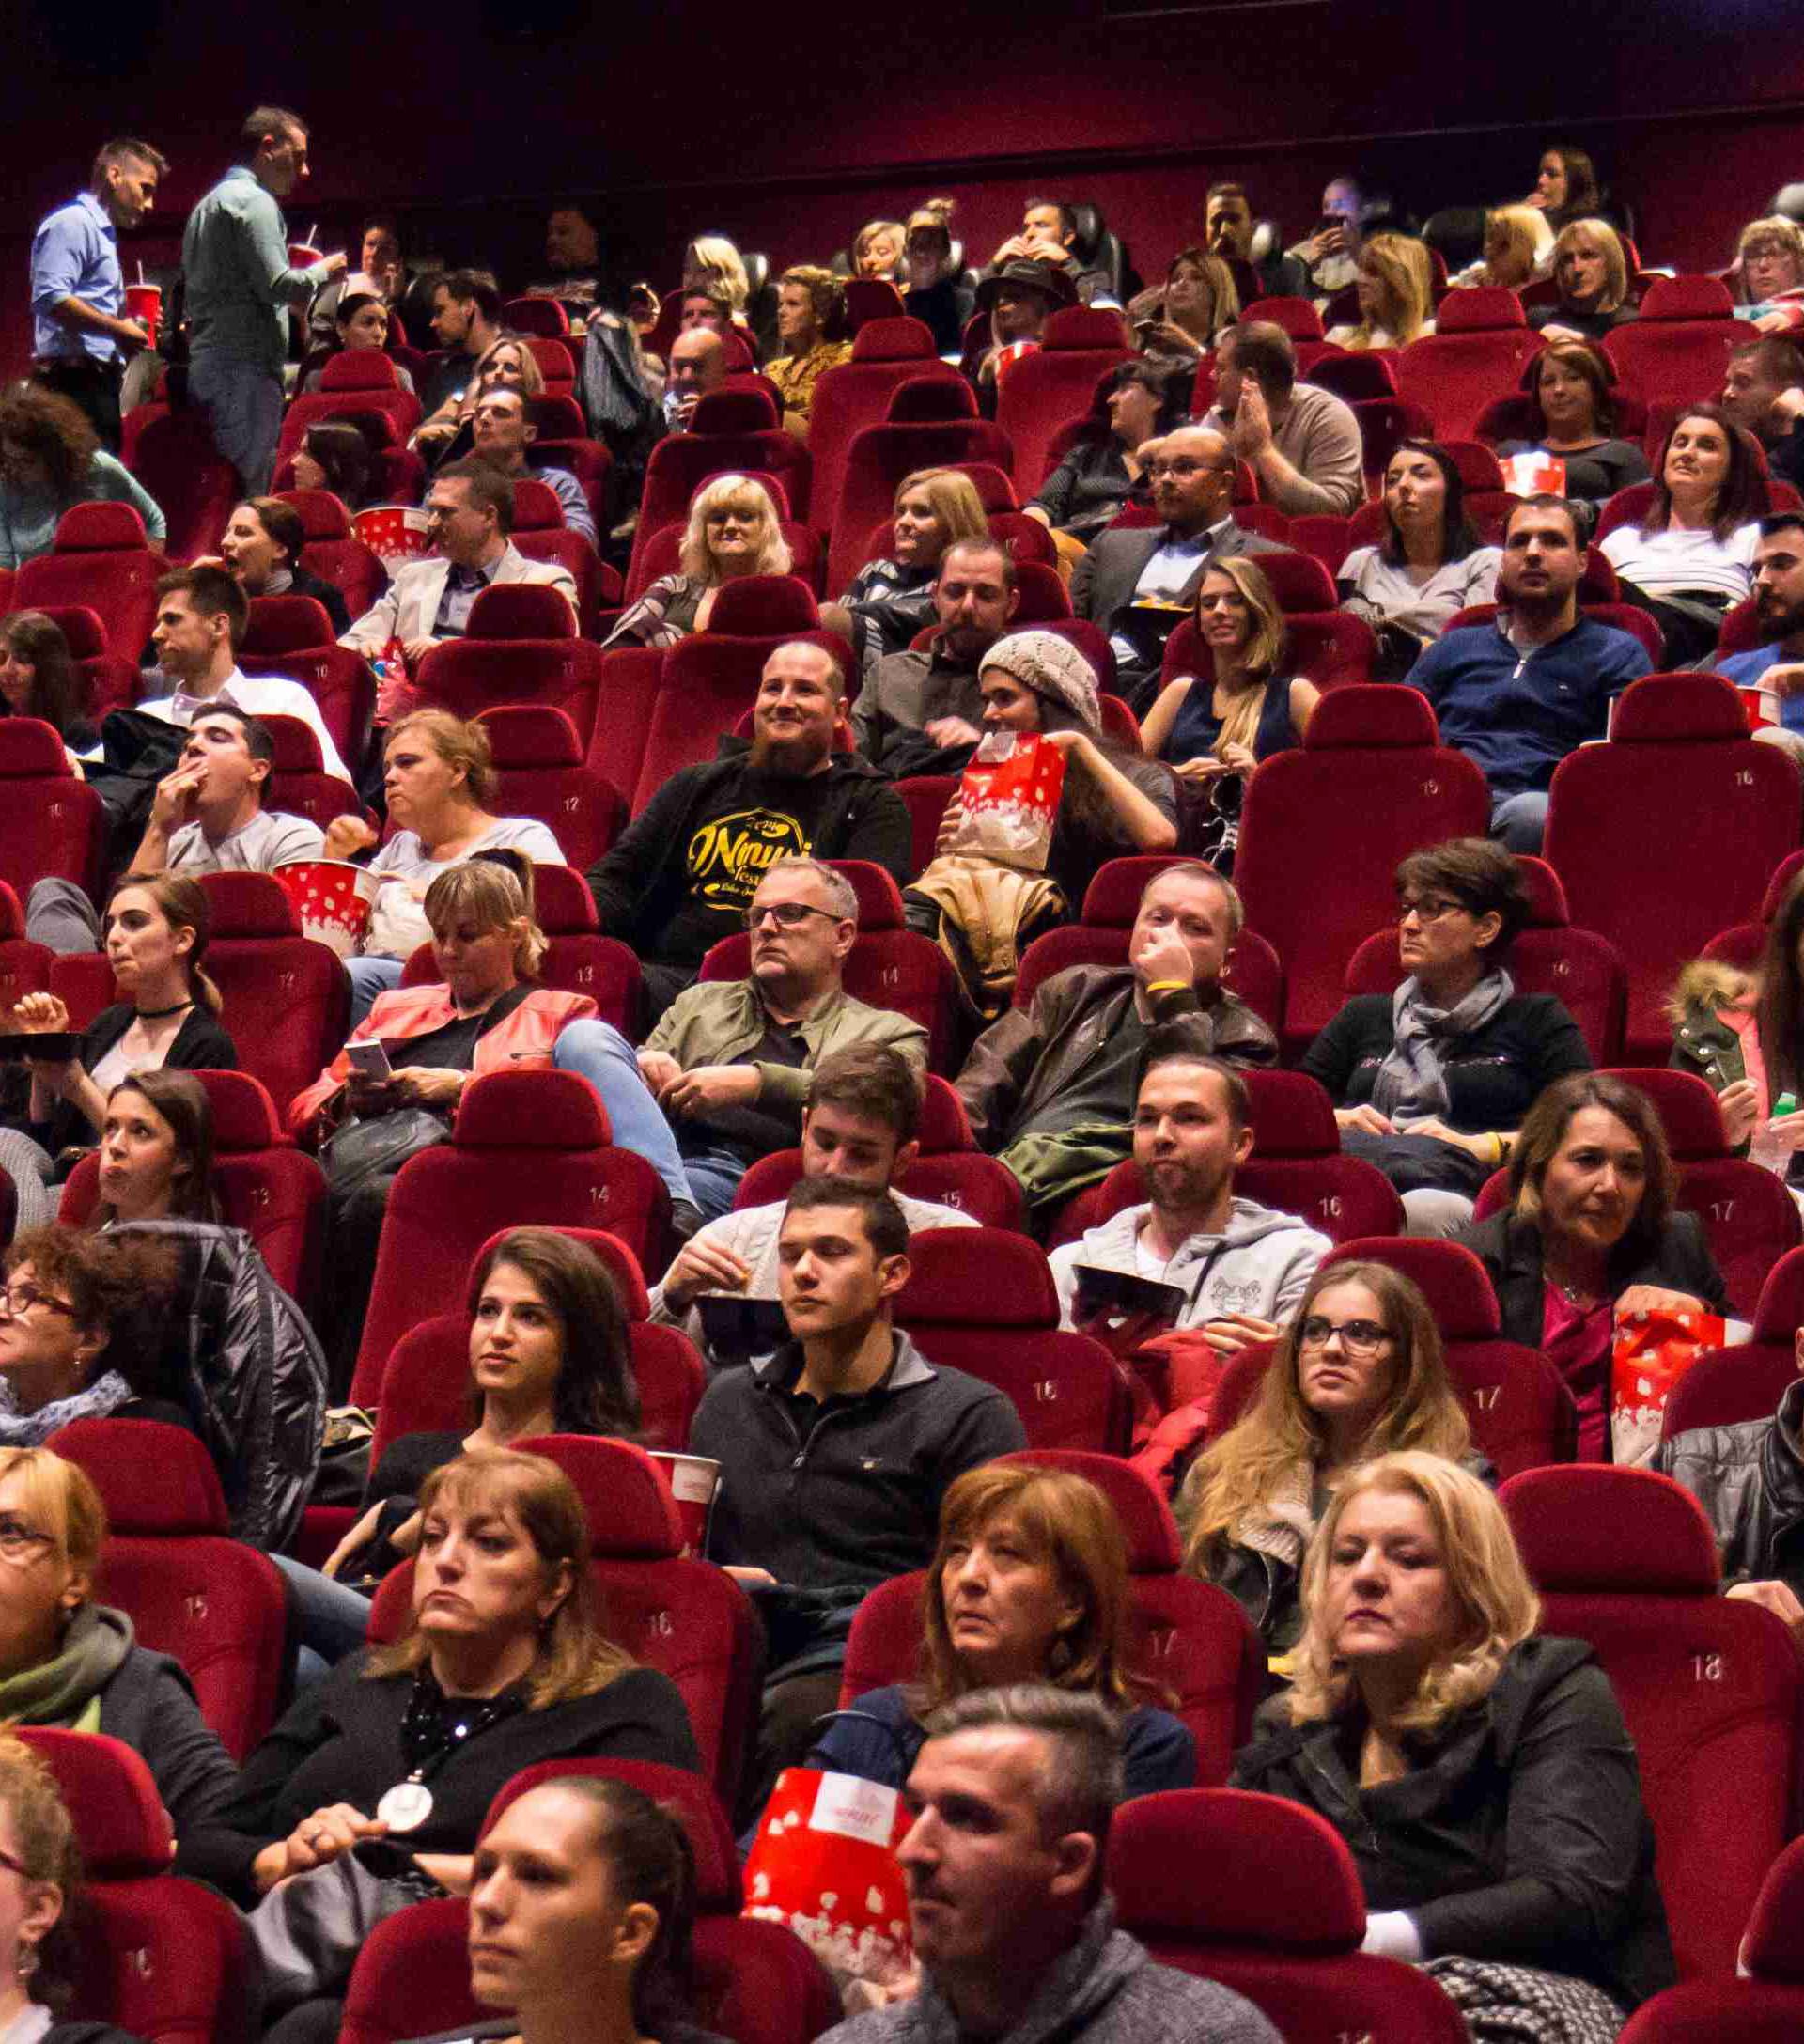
1430, 909
14, 1866
20, 1543
1361, 1339
789, 914
16, 1300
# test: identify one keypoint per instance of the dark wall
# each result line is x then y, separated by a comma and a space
788, 127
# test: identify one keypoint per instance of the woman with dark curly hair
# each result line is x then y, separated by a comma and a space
51, 458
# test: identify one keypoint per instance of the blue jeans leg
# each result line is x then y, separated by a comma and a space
330, 1618
714, 1176
369, 978
242, 401
1521, 821
603, 1056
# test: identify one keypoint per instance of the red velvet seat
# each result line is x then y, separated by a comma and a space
629, 680
950, 1171
925, 796
886, 354
540, 772
359, 369
1766, 2007
24, 966
299, 783
1045, 389
1270, 1905
1728, 1385
211, 1602
876, 463
273, 1190
1383, 422
1577, 966
101, 559
983, 1302
890, 965
1678, 349
536, 316
1480, 345
400, 407
1296, 1167
1353, 378
331, 552
1624, 1559
164, 1959
1369, 783
1200, 1650
293, 636
194, 487
1668, 832
52, 823
1297, 317
687, 1619
683, 460
495, 663
527, 1148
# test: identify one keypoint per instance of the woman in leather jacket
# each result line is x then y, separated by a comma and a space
1358, 1373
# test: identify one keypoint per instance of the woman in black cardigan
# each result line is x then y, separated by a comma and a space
1590, 1232
1430, 1083
157, 925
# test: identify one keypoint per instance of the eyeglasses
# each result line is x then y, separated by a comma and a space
14, 1866
1361, 1340
1430, 909
20, 1543
1182, 470
789, 914
18, 1300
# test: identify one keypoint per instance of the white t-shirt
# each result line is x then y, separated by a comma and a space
398, 925
257, 696
1664, 563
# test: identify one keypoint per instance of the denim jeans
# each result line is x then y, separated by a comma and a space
242, 404
330, 1619
369, 978
606, 1060
1521, 821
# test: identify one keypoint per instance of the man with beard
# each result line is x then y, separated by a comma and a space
1776, 666
1517, 695
683, 874
1136, 583
1764, 390
1242, 1268
1228, 230
919, 711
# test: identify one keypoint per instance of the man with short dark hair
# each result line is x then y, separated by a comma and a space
1776, 666
683, 873
1519, 694
834, 1453
80, 335
1303, 444
466, 323
1228, 231
1049, 234
241, 285
1329, 255
502, 432
1051, 1088
470, 516
1015, 1940
1137, 582
201, 617
1764, 390
858, 1122
697, 366
920, 709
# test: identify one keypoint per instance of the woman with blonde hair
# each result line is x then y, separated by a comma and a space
1514, 238
1394, 303
503, 365
1214, 741
439, 778
891, 599
713, 264
734, 529
878, 248
1480, 1774
1769, 275
1358, 1371
1029, 1584
1591, 268
1182, 316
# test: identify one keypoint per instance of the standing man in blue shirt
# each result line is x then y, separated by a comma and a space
241, 285
1518, 695
80, 334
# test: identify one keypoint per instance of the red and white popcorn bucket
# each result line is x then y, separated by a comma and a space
1009, 354
395, 533
333, 899
1534, 474
824, 1863
695, 1481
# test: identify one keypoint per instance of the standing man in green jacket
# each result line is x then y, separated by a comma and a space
235, 252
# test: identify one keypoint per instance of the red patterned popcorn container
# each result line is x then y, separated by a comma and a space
693, 1479
395, 533
824, 1863
332, 897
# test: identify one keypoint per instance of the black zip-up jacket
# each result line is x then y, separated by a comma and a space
1494, 1075
1518, 1833
1750, 1479
858, 1501
640, 885
1510, 1250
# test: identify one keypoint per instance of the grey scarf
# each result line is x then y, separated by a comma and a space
1410, 1084
30, 1429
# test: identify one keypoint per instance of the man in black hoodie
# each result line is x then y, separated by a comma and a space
684, 875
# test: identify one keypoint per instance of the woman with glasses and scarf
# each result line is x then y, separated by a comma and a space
1430, 1083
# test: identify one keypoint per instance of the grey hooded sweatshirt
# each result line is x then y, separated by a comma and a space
1260, 1264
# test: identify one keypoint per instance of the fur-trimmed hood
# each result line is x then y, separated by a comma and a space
1710, 984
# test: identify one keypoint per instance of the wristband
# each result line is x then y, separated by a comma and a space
1168, 986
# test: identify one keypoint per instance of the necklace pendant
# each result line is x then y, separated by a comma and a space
406, 1807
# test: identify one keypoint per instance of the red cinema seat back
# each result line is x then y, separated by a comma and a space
629, 678
1669, 833
1270, 1905
886, 354
984, 1303
527, 1148
338, 680
332, 553
50, 822
399, 409
540, 770
473, 674
1055, 384
878, 460
110, 682
24, 966
1678, 349
1579, 968
1369, 785
1625, 1560
1454, 374
194, 486
1747, 1382
299, 783
105, 563
211, 1602
158, 1957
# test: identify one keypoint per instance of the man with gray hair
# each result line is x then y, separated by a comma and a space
1014, 1932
